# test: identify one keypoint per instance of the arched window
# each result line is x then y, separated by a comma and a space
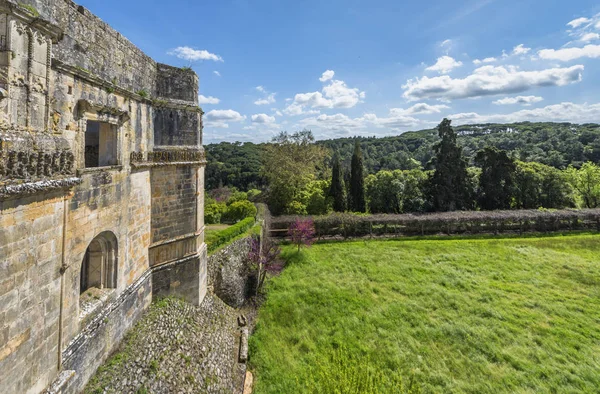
99, 266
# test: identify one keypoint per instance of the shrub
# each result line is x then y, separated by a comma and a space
295, 208
302, 232
239, 210
237, 196
253, 194
216, 240
262, 260
459, 222
213, 212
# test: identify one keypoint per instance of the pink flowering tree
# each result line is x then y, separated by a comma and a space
263, 256
302, 232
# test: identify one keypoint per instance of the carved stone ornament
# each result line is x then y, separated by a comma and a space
30, 165
107, 114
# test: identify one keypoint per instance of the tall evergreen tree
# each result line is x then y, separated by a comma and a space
449, 186
496, 182
357, 181
338, 190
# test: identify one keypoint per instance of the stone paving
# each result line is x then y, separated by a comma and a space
176, 348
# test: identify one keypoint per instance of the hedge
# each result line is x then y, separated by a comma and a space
216, 240
461, 222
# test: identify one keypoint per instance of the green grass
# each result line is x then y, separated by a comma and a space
453, 315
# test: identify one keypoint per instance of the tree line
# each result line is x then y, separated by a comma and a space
303, 177
557, 145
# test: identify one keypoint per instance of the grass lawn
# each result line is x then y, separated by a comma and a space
513, 315
215, 228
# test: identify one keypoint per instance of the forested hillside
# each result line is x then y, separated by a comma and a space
555, 144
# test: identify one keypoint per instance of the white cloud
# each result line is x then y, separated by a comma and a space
341, 96
520, 50
263, 118
597, 26
334, 95
563, 112
524, 100
446, 43
395, 121
208, 100
220, 118
575, 23
270, 99
486, 60
218, 74
332, 122
295, 109
192, 54
444, 64
587, 37
488, 81
327, 75
419, 109
567, 54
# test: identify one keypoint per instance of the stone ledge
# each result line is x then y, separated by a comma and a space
28, 188
91, 170
143, 165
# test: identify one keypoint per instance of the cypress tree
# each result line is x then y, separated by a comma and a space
338, 190
357, 180
449, 186
496, 182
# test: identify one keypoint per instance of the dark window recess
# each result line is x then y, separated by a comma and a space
100, 144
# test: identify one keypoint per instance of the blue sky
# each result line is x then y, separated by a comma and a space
377, 67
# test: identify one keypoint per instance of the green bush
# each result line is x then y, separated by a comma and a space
237, 196
239, 210
253, 194
216, 240
213, 212
295, 208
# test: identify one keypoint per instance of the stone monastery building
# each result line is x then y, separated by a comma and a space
101, 192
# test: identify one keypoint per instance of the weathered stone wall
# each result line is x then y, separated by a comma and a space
175, 83
63, 67
93, 46
103, 334
229, 273
106, 201
176, 127
173, 202
174, 280
30, 250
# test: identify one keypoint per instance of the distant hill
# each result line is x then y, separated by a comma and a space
555, 144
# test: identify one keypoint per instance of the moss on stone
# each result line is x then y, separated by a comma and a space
31, 9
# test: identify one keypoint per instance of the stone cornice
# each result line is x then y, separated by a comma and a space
112, 115
183, 105
29, 188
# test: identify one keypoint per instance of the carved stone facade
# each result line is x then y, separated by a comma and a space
101, 192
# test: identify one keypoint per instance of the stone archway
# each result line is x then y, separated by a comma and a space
99, 265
